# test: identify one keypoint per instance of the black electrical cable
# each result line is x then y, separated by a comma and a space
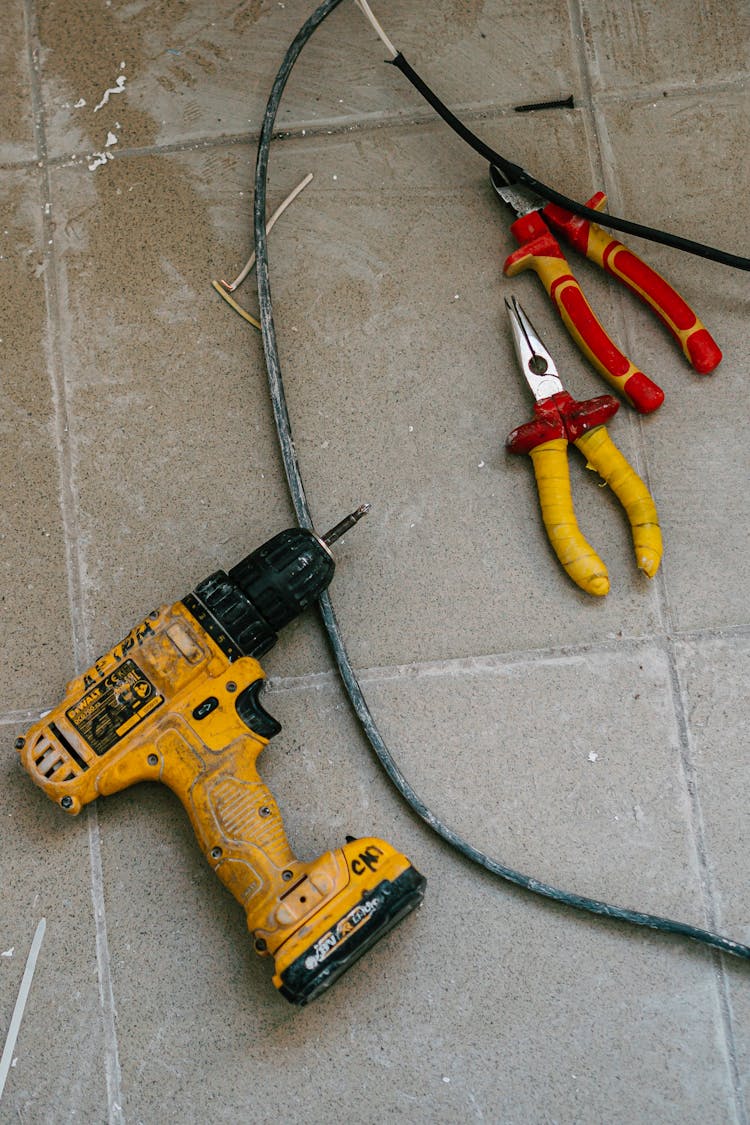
297, 491
516, 174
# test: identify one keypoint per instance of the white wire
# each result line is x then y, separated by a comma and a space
231, 286
364, 7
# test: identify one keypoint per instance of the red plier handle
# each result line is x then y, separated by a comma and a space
540, 251
698, 346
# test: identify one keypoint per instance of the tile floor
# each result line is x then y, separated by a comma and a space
600, 745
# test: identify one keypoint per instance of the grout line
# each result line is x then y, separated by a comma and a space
470, 112
695, 820
496, 662
73, 553
489, 662
642, 94
697, 827
464, 665
55, 361
623, 329
104, 967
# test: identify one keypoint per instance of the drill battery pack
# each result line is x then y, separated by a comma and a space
314, 958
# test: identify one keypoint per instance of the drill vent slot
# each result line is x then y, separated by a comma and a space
50, 761
54, 750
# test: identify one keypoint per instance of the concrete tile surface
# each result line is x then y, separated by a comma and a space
205, 69
625, 44
702, 457
16, 110
598, 746
475, 976
59, 1066
712, 670
32, 537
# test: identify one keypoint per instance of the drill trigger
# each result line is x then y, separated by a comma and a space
253, 714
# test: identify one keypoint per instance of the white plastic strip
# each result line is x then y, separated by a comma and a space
23, 995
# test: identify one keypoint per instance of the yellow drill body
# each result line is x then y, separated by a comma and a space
170, 704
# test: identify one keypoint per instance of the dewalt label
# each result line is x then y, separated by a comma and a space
119, 702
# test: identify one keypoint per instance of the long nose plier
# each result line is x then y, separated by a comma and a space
559, 420
540, 251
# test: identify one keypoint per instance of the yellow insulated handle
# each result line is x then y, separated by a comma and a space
604, 456
580, 561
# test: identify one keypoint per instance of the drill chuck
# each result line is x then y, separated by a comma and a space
244, 609
284, 576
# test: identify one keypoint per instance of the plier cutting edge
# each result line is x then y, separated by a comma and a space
560, 420
540, 251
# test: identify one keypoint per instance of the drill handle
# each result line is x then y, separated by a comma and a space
236, 819
205, 750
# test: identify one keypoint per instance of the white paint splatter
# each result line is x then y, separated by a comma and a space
111, 140
593, 756
100, 158
8, 952
118, 88
79, 104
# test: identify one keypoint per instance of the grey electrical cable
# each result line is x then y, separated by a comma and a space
299, 500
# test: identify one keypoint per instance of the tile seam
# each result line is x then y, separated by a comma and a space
476, 111
606, 160
697, 827
73, 559
55, 364
695, 821
468, 665
104, 972
454, 665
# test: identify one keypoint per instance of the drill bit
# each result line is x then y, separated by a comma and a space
346, 523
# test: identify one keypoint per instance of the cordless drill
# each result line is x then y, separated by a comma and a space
178, 701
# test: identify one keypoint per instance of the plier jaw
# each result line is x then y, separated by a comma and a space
536, 362
521, 199
539, 250
556, 413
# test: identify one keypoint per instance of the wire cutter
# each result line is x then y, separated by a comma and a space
540, 251
560, 420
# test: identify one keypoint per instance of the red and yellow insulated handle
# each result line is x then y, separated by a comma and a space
579, 560
540, 251
559, 420
603, 455
698, 346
